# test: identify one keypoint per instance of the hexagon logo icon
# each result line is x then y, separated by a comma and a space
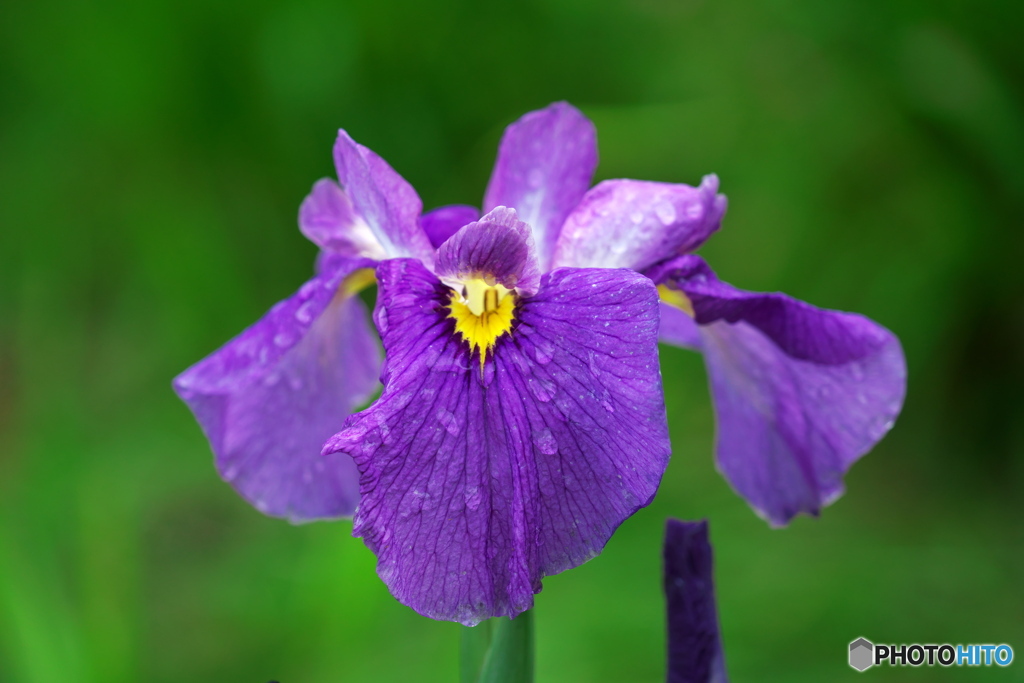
862, 654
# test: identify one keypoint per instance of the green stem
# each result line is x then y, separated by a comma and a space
498, 651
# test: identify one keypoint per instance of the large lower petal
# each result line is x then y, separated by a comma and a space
694, 643
268, 399
477, 482
545, 164
635, 224
800, 393
383, 198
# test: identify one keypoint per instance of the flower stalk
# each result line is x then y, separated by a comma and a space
497, 651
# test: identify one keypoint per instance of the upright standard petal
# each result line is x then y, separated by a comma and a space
800, 392
694, 643
545, 164
328, 219
635, 224
268, 399
445, 221
477, 482
388, 204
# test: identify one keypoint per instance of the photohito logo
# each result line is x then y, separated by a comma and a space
864, 654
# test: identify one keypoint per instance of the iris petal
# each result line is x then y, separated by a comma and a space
328, 219
800, 393
269, 398
383, 198
678, 328
445, 221
476, 485
635, 223
545, 163
499, 247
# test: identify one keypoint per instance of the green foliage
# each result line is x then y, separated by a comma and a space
152, 159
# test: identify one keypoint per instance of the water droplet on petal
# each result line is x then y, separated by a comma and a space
304, 313
473, 497
450, 422
665, 212
282, 339
542, 389
545, 441
543, 351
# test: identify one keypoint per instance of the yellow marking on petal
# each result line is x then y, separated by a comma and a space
673, 297
357, 281
482, 329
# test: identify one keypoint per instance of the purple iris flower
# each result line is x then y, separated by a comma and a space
694, 641
522, 419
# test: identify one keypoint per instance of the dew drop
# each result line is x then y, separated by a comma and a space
304, 313
282, 339
449, 421
543, 352
542, 389
545, 441
473, 497
665, 212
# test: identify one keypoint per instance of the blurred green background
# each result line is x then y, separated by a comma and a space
153, 156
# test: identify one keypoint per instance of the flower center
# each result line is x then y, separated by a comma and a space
482, 314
